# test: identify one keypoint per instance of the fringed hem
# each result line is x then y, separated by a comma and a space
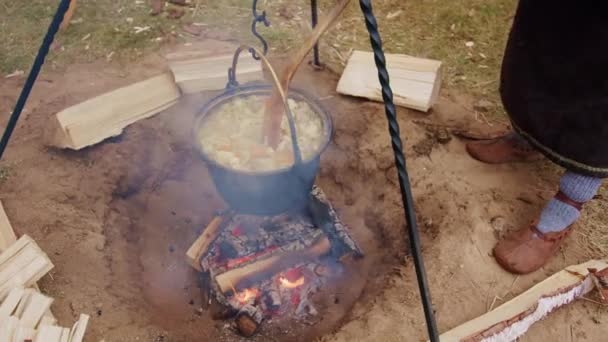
569, 164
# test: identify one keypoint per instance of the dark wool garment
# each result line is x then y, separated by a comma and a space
554, 82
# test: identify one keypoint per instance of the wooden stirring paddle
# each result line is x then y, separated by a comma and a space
274, 106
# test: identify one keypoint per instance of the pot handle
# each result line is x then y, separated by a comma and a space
232, 83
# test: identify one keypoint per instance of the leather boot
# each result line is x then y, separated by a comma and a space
506, 149
528, 249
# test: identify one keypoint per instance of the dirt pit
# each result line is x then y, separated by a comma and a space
117, 218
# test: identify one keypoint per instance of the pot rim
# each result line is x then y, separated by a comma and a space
264, 89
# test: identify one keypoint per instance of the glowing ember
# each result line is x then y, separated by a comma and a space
291, 284
246, 295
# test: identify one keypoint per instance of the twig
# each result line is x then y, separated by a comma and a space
571, 333
512, 284
594, 301
494, 302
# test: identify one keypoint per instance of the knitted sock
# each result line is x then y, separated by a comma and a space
557, 215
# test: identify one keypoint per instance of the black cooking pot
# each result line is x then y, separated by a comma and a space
272, 192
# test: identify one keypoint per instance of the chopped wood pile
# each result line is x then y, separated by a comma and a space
25, 313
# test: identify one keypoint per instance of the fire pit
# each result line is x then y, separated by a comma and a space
260, 267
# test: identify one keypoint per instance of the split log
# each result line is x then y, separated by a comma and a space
7, 238
65, 335
48, 319
8, 327
10, 303
512, 319
244, 277
415, 81
7, 234
204, 67
24, 334
49, 333
25, 300
105, 116
22, 264
79, 329
201, 245
34, 311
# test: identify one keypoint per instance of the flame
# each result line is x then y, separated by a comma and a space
246, 295
291, 284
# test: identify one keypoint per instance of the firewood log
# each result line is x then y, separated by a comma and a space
512, 319
243, 277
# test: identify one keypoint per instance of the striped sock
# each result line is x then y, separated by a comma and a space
557, 215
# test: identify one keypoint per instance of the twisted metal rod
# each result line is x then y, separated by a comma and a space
404, 183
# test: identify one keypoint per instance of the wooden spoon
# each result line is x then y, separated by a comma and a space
274, 107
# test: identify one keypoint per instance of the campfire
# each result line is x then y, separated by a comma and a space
260, 267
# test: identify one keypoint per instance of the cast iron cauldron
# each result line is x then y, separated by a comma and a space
271, 192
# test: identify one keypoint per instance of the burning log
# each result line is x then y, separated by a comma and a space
248, 320
243, 277
272, 299
512, 319
201, 245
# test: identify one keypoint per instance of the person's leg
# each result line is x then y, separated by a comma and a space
506, 149
530, 248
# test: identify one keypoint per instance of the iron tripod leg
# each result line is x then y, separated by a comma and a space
33, 75
314, 14
404, 183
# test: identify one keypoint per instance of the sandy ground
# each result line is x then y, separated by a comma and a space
117, 218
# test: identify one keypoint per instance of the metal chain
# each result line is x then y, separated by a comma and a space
404, 183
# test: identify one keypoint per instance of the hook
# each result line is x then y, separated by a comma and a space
258, 18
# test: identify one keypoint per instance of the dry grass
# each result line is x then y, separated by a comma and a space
439, 30
427, 28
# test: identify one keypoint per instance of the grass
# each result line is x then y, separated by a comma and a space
427, 28
100, 29
468, 36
